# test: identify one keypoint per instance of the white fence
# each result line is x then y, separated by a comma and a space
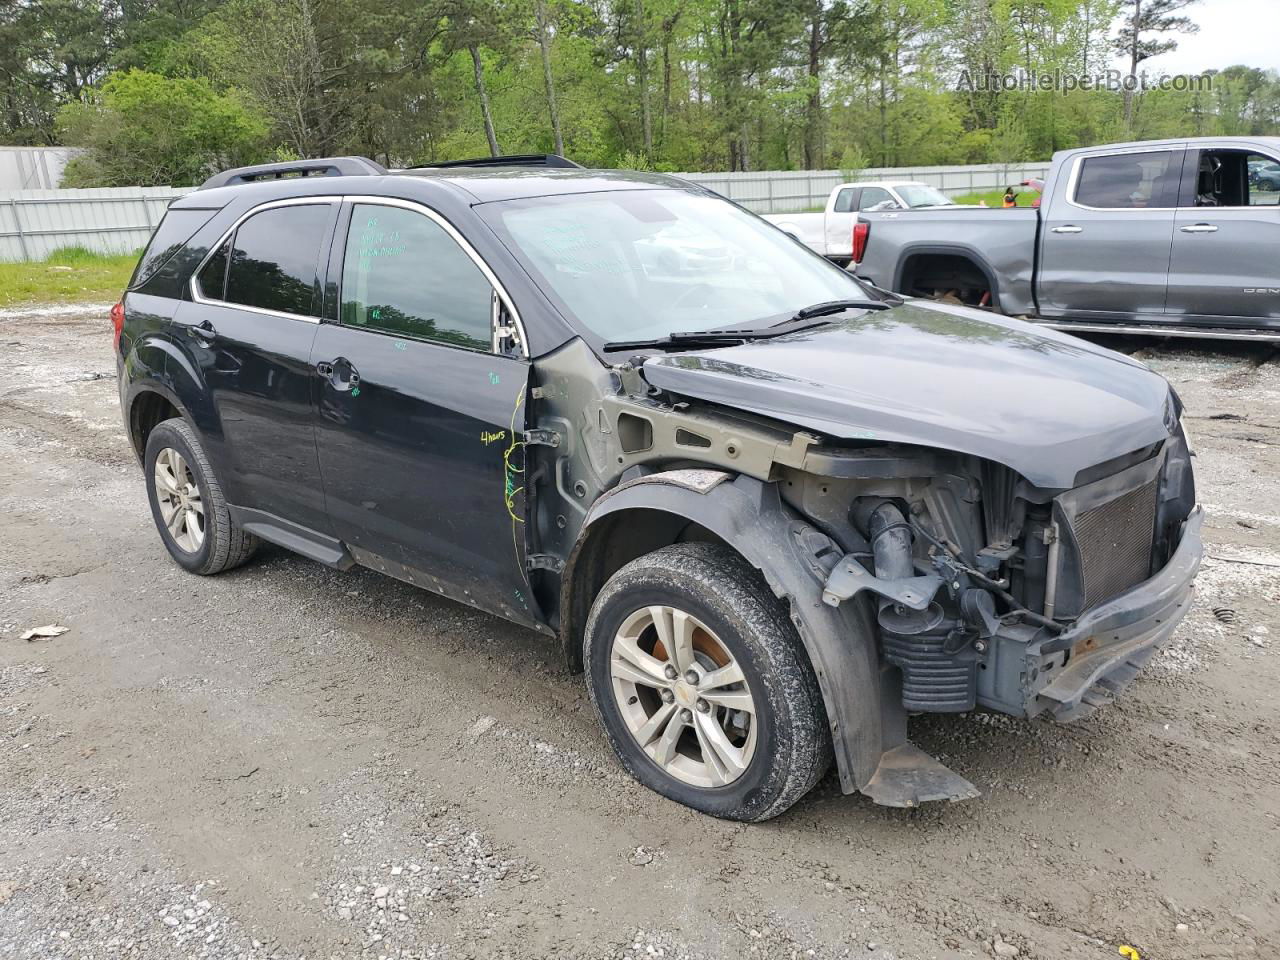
791, 191
33, 223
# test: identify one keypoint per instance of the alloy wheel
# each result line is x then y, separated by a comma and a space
683, 696
181, 507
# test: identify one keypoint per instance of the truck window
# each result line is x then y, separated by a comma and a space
1130, 180
918, 195
403, 274
1232, 178
844, 200
873, 197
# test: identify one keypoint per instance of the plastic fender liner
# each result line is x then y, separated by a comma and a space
751, 517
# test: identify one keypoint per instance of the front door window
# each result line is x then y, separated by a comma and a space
404, 275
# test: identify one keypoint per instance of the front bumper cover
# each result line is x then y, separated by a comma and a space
1110, 643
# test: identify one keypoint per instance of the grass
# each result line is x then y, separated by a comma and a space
995, 198
65, 276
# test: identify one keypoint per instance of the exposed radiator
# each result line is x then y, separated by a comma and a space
1114, 540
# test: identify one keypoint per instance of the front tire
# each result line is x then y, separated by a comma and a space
702, 685
187, 503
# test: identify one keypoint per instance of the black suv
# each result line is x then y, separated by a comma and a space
770, 510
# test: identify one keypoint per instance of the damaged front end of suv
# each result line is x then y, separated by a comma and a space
956, 511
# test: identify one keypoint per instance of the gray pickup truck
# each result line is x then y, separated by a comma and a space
1170, 236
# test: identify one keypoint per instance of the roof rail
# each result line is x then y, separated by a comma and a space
324, 167
515, 160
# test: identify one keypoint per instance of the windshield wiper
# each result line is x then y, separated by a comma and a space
829, 307
890, 298
692, 339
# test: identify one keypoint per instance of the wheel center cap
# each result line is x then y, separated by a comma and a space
686, 696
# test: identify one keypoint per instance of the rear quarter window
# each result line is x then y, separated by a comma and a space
177, 227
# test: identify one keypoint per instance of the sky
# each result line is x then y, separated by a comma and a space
1231, 32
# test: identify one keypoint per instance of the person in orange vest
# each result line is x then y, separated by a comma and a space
1010, 198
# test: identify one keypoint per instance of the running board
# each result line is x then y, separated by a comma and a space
1253, 334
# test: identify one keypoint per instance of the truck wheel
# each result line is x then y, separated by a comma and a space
702, 685
187, 503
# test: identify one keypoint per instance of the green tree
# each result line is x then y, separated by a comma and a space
151, 130
291, 62
52, 52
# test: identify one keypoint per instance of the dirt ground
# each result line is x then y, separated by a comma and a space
290, 762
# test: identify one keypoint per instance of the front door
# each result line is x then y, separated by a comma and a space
420, 421
1104, 242
1226, 240
249, 329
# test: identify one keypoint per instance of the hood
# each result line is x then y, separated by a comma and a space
1044, 404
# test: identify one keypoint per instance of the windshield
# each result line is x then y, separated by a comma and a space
922, 195
641, 264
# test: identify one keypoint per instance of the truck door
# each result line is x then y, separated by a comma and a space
1225, 241
1105, 238
420, 426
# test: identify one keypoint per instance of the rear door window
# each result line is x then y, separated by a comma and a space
844, 200
275, 258
1130, 181
178, 226
213, 275
403, 274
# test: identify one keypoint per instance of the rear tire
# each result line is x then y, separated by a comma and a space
187, 503
744, 750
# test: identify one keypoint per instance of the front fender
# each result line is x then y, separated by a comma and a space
789, 552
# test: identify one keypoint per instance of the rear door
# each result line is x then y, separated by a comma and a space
1226, 242
420, 417
249, 327
1105, 242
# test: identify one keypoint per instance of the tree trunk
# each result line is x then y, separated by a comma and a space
735, 105
642, 78
884, 119
668, 34
489, 133
544, 43
1133, 65
813, 108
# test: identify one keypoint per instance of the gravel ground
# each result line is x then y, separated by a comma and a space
290, 762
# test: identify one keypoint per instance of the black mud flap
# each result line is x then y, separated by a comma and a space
908, 777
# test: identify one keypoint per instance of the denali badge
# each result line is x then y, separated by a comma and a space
1274, 290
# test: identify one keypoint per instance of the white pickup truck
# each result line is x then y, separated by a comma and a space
831, 232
